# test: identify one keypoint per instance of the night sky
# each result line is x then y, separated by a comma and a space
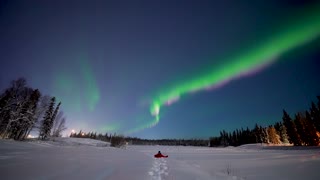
165, 69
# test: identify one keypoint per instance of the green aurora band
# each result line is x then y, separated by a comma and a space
67, 88
297, 33
93, 94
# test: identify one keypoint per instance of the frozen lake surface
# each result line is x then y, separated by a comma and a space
70, 158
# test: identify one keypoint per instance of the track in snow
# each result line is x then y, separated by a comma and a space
159, 170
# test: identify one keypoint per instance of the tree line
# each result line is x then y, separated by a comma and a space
168, 142
301, 130
118, 139
23, 109
92, 135
114, 139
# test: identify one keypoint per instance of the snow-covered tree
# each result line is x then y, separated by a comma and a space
21, 108
55, 114
14, 102
4, 111
283, 134
264, 135
46, 124
41, 107
258, 134
25, 122
293, 136
274, 138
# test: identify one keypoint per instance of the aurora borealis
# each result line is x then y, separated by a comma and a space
165, 69
295, 35
66, 86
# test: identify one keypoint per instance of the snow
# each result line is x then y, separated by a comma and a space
80, 141
72, 158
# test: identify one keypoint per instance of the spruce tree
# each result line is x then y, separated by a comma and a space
46, 123
274, 138
283, 134
277, 126
311, 132
293, 136
79, 134
257, 133
27, 115
4, 101
264, 135
238, 137
53, 118
315, 116
234, 138
300, 126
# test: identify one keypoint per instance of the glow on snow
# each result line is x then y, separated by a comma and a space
253, 60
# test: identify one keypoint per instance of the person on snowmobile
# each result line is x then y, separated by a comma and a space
159, 155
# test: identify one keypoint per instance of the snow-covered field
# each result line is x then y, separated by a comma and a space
69, 158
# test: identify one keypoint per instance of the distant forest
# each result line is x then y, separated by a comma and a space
302, 130
119, 140
23, 109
